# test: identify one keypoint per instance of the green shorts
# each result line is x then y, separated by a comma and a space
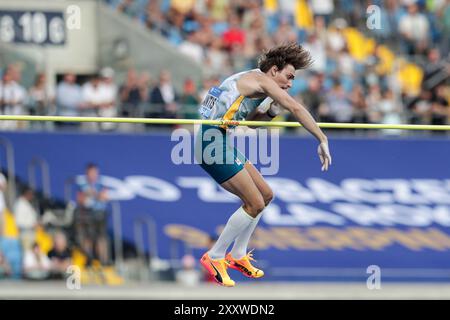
216, 155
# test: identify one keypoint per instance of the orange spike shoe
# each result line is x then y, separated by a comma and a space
218, 269
244, 265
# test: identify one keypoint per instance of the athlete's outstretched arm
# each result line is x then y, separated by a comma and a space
255, 83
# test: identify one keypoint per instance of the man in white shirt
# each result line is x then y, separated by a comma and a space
36, 264
109, 92
191, 47
26, 216
93, 101
12, 98
414, 28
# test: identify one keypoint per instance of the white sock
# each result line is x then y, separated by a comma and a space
238, 222
240, 244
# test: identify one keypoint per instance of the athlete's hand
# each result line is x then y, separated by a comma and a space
274, 110
324, 155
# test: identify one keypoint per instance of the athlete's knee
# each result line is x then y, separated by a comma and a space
255, 207
268, 196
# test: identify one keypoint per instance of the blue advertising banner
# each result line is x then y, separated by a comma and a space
383, 203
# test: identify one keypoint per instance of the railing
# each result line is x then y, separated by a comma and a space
38, 161
140, 243
117, 234
68, 183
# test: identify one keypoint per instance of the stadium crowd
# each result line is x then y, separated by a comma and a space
388, 68
391, 70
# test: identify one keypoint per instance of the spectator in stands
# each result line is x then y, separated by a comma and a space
129, 7
189, 100
322, 8
285, 32
204, 25
154, 17
316, 47
191, 47
345, 63
27, 217
373, 98
390, 111
414, 28
234, 37
384, 29
12, 98
94, 99
68, 101
91, 216
108, 107
173, 31
339, 104
144, 83
163, 97
254, 23
444, 13
217, 61
286, 8
312, 98
5, 268
188, 275
183, 6
36, 264
420, 108
40, 98
360, 110
440, 111
130, 95
219, 9
335, 37
40, 101
60, 256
